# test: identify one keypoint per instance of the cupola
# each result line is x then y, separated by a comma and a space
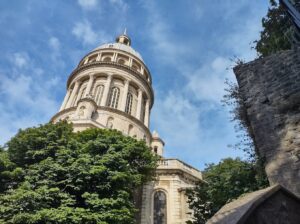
123, 39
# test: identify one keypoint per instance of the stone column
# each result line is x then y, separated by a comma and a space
139, 104
99, 57
65, 100
114, 58
78, 95
142, 71
74, 91
130, 62
147, 113
89, 85
106, 91
125, 93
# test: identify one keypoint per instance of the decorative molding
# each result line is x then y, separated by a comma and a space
116, 65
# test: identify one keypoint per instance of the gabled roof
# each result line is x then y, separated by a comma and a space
239, 210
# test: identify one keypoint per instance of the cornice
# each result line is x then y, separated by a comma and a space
62, 112
177, 171
122, 51
115, 65
113, 110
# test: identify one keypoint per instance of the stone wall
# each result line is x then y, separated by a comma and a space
270, 88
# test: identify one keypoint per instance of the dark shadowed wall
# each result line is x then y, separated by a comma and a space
270, 88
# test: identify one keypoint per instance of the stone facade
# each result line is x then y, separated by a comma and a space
270, 88
112, 88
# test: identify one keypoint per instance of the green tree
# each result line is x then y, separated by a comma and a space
277, 31
222, 183
51, 175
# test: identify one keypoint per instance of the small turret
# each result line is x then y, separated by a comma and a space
157, 144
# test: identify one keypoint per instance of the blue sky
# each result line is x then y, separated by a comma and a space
187, 45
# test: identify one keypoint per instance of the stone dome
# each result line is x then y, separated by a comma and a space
122, 47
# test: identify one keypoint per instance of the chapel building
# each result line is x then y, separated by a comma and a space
112, 88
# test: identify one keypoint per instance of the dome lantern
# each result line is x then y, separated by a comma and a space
123, 39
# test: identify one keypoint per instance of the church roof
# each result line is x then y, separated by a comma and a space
238, 210
122, 47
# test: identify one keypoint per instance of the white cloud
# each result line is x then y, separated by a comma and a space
88, 4
120, 4
177, 118
84, 32
54, 43
20, 59
208, 82
164, 43
26, 98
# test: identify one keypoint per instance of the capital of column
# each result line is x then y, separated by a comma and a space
109, 76
92, 75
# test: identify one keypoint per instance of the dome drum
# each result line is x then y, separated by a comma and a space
118, 57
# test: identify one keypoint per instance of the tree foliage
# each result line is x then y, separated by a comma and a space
277, 32
51, 175
222, 183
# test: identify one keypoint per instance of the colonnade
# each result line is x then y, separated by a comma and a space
143, 107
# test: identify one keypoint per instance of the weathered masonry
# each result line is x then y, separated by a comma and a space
270, 88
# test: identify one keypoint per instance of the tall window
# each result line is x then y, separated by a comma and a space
160, 208
129, 103
98, 92
114, 97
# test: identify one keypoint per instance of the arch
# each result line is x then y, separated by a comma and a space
107, 59
160, 207
121, 61
134, 67
98, 93
109, 123
114, 97
155, 149
129, 103
92, 58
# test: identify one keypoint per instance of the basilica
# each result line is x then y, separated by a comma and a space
112, 88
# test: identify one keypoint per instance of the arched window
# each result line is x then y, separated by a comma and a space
98, 92
129, 103
114, 97
160, 208
107, 59
134, 67
121, 61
